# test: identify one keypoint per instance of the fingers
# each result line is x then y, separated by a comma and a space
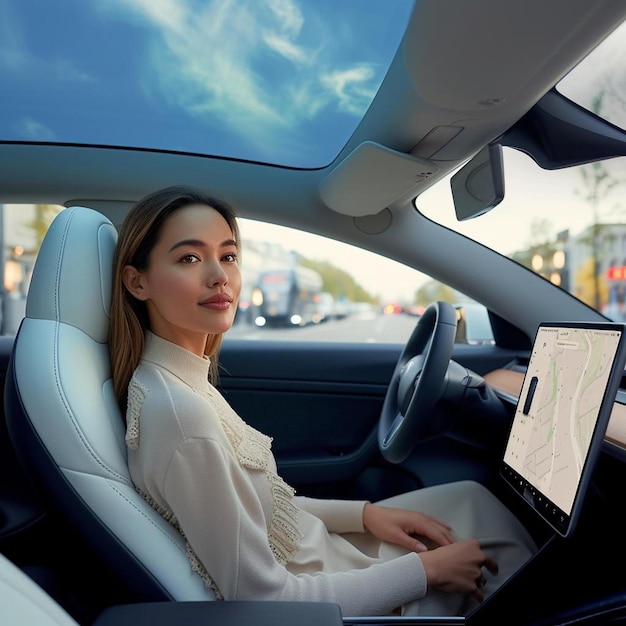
419, 547
443, 535
405, 527
413, 543
442, 527
432, 538
478, 594
491, 565
481, 581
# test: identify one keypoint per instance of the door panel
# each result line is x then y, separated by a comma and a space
321, 403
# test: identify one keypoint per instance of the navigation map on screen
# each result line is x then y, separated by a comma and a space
561, 416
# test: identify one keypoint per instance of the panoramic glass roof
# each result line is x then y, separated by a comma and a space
277, 81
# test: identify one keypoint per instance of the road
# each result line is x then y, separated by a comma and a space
369, 327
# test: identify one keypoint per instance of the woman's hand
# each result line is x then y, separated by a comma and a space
402, 527
457, 567
450, 565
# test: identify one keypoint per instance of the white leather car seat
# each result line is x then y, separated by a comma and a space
24, 603
65, 424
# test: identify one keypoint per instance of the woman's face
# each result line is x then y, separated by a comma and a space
192, 284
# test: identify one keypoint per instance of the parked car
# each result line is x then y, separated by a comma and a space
419, 146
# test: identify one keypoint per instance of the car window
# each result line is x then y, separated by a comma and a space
22, 229
295, 286
569, 226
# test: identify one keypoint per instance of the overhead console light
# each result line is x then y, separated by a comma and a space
479, 185
372, 177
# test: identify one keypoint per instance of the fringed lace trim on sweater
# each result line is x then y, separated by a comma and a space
194, 561
136, 396
284, 533
254, 451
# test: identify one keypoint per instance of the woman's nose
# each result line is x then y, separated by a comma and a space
216, 274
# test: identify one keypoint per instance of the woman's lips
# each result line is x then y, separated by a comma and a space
219, 303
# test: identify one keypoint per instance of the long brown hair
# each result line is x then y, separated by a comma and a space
137, 237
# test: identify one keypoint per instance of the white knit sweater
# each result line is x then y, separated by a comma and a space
214, 477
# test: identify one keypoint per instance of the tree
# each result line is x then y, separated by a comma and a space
540, 232
338, 282
597, 184
44, 214
590, 288
432, 291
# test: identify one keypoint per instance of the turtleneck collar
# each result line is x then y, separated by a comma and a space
189, 367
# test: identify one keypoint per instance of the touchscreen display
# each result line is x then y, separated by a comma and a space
561, 417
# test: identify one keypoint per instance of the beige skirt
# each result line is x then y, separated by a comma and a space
473, 512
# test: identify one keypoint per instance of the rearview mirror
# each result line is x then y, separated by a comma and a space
479, 185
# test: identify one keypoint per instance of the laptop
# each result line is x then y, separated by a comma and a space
567, 396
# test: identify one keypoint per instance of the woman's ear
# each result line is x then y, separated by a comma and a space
133, 281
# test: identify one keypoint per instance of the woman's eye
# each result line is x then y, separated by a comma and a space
230, 258
190, 258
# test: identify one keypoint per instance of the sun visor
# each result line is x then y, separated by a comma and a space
371, 177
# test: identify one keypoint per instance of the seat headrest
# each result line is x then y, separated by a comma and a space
72, 277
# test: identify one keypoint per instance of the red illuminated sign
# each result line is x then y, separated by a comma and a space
616, 272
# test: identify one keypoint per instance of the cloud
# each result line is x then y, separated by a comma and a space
352, 87
281, 32
32, 130
168, 15
16, 56
288, 15
12, 55
255, 66
285, 48
62, 69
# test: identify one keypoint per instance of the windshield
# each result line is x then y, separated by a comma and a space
567, 225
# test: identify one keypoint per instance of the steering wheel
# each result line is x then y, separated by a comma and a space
417, 383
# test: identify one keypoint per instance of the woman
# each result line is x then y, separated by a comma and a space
175, 292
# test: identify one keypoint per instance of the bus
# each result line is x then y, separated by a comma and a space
287, 297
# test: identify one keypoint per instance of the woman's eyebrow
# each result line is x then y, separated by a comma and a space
200, 244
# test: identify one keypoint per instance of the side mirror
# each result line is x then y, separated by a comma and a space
479, 185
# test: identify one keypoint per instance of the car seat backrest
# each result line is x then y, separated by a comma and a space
65, 423
22, 601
